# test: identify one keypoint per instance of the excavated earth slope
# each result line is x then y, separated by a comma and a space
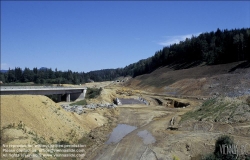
226, 79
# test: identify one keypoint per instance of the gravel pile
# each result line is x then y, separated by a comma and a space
79, 109
75, 108
94, 106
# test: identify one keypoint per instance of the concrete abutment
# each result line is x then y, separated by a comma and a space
67, 97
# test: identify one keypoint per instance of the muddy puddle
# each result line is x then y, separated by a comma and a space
123, 129
119, 132
146, 137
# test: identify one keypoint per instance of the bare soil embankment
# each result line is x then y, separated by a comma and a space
46, 118
34, 119
226, 79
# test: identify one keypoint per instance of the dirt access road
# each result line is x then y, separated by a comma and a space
153, 120
190, 141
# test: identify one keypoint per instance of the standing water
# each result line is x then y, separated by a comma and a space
146, 136
119, 132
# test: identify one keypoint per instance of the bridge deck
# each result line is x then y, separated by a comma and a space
40, 90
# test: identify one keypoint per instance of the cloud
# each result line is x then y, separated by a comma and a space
176, 39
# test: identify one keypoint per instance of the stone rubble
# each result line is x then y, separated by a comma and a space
117, 101
143, 100
79, 109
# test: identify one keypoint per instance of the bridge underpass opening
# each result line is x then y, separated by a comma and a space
66, 97
72, 97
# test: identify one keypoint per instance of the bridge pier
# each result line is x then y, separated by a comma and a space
84, 93
59, 97
67, 97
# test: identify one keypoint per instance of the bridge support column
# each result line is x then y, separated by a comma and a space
59, 97
84, 93
67, 97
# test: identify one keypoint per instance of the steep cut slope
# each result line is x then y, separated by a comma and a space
231, 79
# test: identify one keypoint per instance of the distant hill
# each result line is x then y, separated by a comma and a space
4, 71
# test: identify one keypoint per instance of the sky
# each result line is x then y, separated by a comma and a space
83, 36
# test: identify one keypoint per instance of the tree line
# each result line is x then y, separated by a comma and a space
221, 46
212, 48
48, 76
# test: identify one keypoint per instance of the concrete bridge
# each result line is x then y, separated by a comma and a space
70, 93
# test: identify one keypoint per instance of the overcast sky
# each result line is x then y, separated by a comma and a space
85, 36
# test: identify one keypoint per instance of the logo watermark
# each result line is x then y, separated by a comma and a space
234, 149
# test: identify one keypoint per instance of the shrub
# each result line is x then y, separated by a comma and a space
210, 157
175, 158
218, 155
223, 140
93, 92
63, 142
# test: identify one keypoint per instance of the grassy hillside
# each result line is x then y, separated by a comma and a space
221, 110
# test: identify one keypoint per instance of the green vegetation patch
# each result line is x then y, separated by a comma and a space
205, 110
93, 93
216, 109
81, 102
209, 102
86, 140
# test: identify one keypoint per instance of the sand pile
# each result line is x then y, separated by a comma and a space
41, 116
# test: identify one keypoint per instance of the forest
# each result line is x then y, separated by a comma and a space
221, 46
